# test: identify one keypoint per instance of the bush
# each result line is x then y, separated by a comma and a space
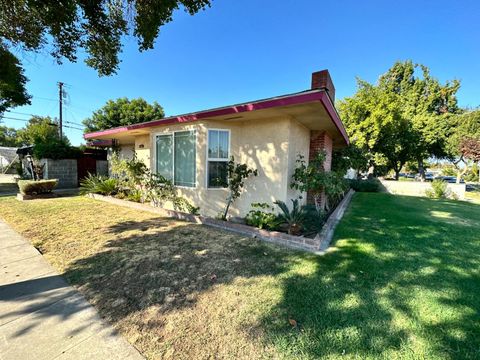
369, 185
99, 185
31, 187
262, 217
294, 219
55, 149
439, 190
314, 220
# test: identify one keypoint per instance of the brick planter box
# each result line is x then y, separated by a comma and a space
318, 244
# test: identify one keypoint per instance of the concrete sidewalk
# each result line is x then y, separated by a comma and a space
42, 317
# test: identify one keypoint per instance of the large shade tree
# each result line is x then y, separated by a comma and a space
121, 112
405, 116
63, 28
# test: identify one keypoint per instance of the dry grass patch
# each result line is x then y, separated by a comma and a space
173, 289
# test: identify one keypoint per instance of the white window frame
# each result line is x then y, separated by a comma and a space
208, 159
172, 134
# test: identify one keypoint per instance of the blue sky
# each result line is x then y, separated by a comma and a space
245, 50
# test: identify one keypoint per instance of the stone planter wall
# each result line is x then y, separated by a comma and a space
318, 244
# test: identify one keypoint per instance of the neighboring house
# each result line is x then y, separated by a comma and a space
267, 135
7, 156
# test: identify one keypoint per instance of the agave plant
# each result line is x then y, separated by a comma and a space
293, 218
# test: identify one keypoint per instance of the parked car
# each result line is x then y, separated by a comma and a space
429, 176
452, 179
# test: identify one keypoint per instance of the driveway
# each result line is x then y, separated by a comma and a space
42, 317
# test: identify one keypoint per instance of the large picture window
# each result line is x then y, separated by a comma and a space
176, 157
217, 158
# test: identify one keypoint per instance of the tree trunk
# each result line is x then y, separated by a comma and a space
397, 174
421, 170
229, 202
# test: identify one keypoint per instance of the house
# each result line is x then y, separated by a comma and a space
267, 135
8, 155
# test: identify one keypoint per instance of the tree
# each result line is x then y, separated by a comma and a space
426, 104
67, 27
374, 123
463, 144
123, 112
402, 117
236, 176
8, 136
12, 81
39, 129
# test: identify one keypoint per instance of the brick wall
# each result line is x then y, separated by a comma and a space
65, 170
320, 141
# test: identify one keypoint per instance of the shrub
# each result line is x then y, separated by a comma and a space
262, 216
439, 190
369, 185
55, 149
314, 220
99, 185
31, 187
295, 218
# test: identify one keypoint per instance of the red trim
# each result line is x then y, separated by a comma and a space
236, 109
327, 103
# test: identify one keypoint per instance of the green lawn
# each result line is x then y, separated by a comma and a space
402, 282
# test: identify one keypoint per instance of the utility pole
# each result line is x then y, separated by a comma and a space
60, 99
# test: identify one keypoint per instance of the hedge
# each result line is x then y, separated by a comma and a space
31, 187
368, 185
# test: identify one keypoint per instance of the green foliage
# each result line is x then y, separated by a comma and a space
237, 174
139, 184
312, 177
439, 190
314, 220
368, 185
39, 129
463, 145
99, 185
55, 149
12, 81
262, 216
92, 27
8, 136
32, 187
294, 218
350, 157
403, 117
121, 112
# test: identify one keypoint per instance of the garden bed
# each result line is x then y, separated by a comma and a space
317, 244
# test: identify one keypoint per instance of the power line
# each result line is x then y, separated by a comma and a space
19, 113
42, 98
12, 118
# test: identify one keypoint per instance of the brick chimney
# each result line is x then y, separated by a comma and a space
322, 80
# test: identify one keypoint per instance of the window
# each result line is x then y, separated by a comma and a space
217, 158
175, 157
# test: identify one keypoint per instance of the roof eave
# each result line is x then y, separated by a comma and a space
299, 98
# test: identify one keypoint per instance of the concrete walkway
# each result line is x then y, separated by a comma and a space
42, 317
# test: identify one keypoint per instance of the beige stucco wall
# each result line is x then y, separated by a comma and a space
270, 146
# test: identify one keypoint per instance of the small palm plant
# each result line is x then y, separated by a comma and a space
293, 218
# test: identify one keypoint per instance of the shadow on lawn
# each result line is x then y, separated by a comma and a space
152, 263
401, 281
389, 288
